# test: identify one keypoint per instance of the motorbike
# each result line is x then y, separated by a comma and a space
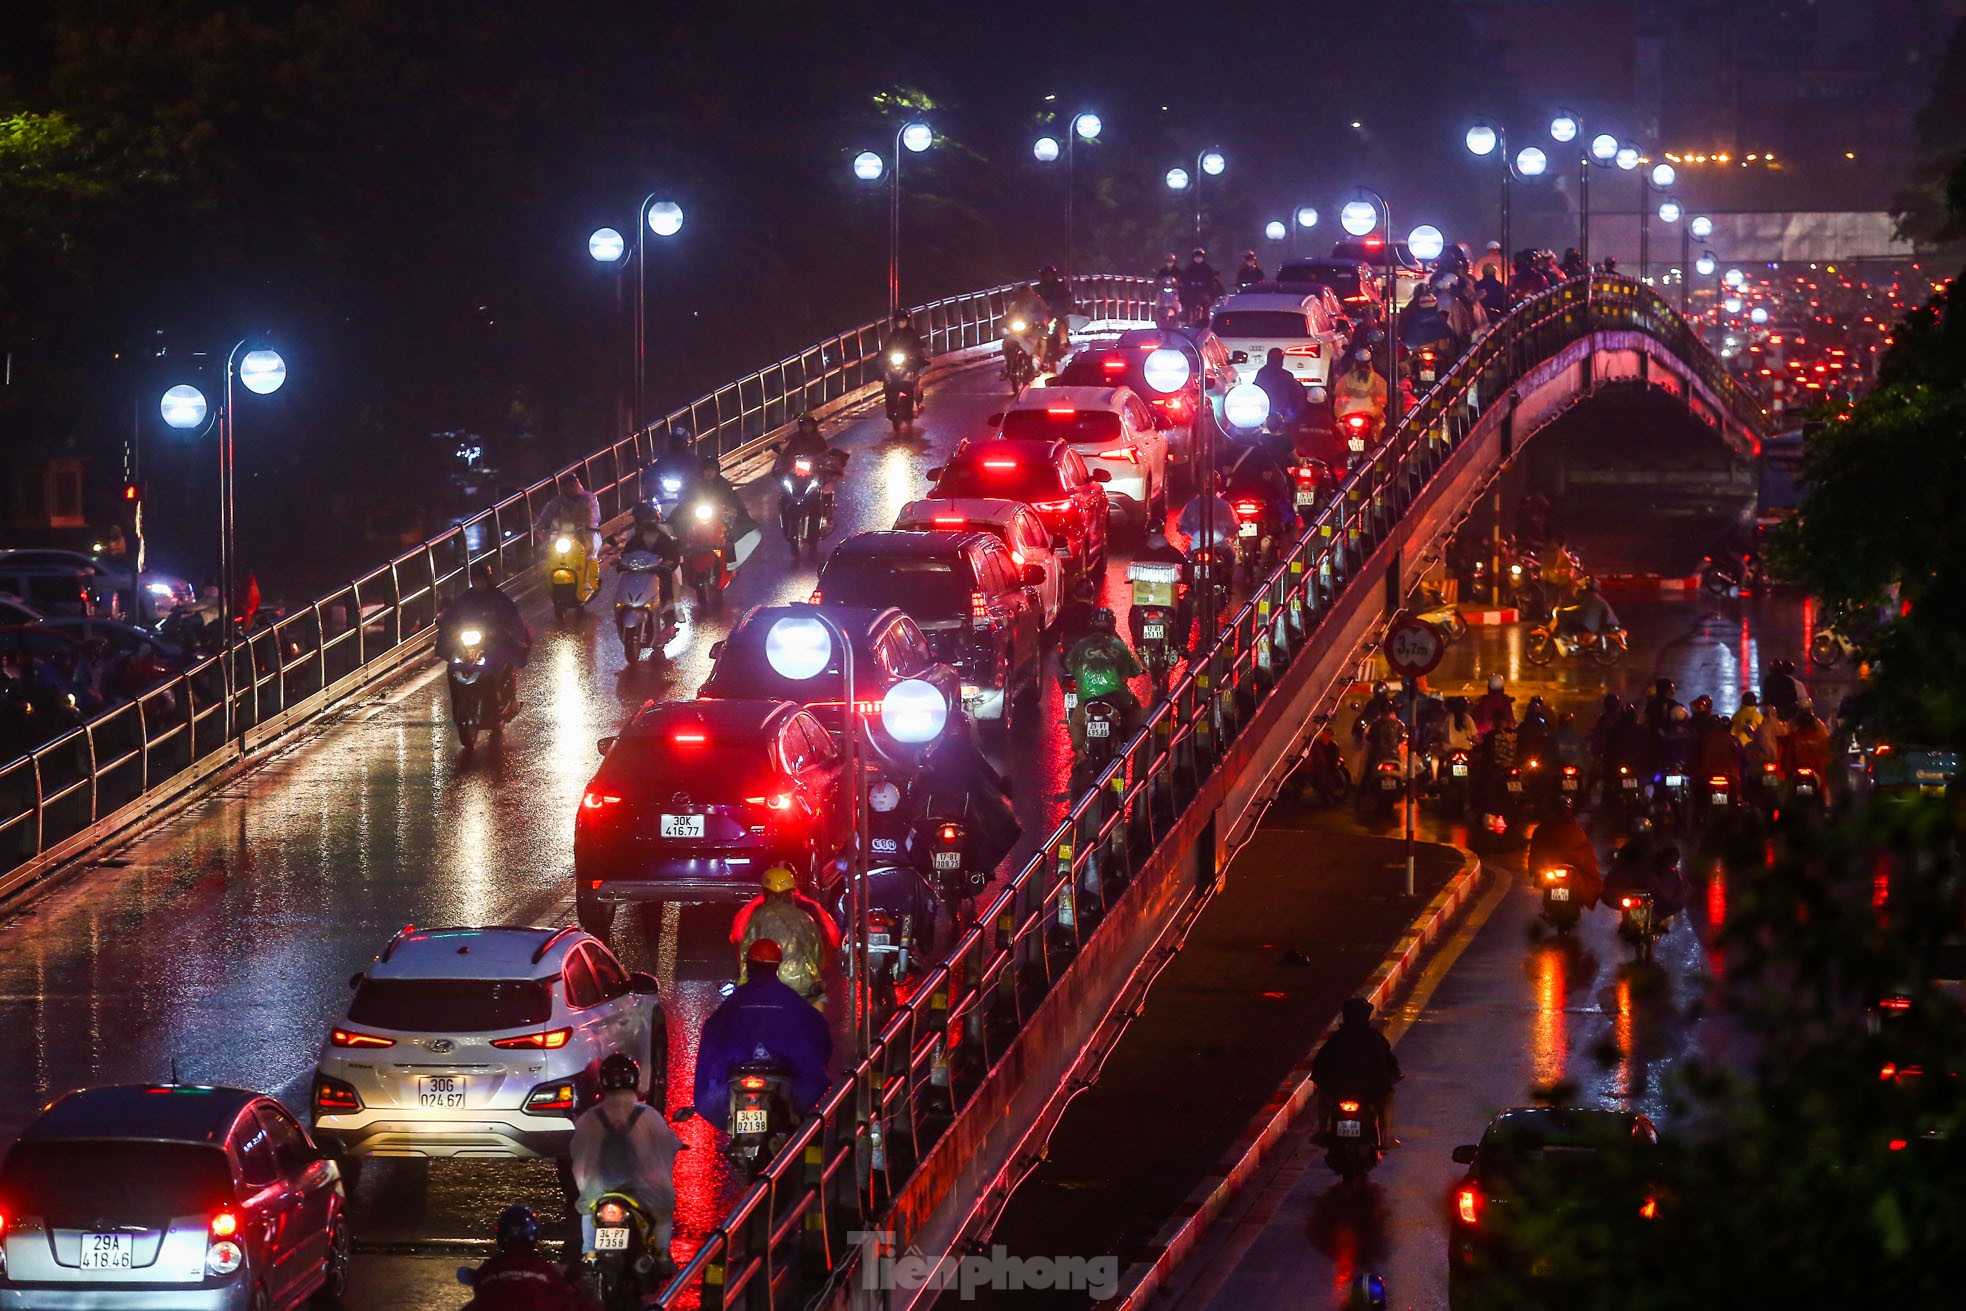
1443, 615
1452, 786
1511, 803
1624, 792
1538, 787
1357, 429
1730, 575
1167, 304
1521, 579
1830, 648
481, 695
956, 877
629, 1265
1637, 924
1104, 726
1380, 790
1355, 1147
1669, 801
761, 1116
1195, 311
670, 478
1570, 785
1806, 789
1213, 569
1329, 777
1560, 908
1309, 479
1764, 789
643, 620
707, 552
1426, 368
1256, 537
805, 512
1158, 633
1542, 645
901, 387
1717, 798
1020, 348
575, 572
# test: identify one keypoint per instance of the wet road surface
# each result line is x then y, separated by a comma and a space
217, 946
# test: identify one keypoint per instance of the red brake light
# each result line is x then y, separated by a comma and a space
1349, 1108
813, 599
347, 1038
1896, 1003
1650, 1210
1114, 364
1556, 874
1718, 780
783, 801
593, 800
1569, 771
751, 1082
1052, 507
224, 1224
334, 1095
1898, 1144
613, 1214
950, 833
1121, 453
949, 521
1625, 902
1248, 507
1061, 410
1313, 349
690, 739
979, 606
999, 464
1467, 1204
1355, 421
551, 1040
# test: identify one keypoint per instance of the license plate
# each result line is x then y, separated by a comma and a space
877, 940
1426, 375
1629, 785
1349, 1129
1098, 728
1569, 785
1559, 894
682, 826
1071, 702
611, 1240
755, 1120
1675, 780
442, 1092
106, 1252
1458, 770
1153, 632
1355, 443
1248, 529
1307, 498
1720, 798
1805, 789
1515, 785
948, 860
1389, 783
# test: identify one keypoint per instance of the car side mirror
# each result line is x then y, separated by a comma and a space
717, 650
1058, 542
995, 420
605, 745
1239, 357
1161, 422
1464, 1154
935, 473
355, 979
642, 983
1316, 393
1102, 475
1033, 575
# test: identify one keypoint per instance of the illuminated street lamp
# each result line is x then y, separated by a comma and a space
916, 136
1659, 178
1701, 227
262, 372
1306, 219
801, 647
1426, 242
1706, 264
1085, 127
1531, 162
1210, 162
608, 248
1275, 230
1177, 179
1488, 138
1359, 217
1601, 151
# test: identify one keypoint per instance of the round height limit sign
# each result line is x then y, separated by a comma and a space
1413, 648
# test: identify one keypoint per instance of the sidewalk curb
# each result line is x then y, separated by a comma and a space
1491, 618
1184, 1231
1648, 583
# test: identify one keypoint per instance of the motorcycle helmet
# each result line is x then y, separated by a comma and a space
1379, 688
903, 319
681, 438
570, 484
483, 575
1703, 705
647, 515
1103, 617
806, 423
619, 1071
764, 952
780, 878
1048, 271
1678, 714
1357, 1010
1200, 253
517, 1227
1749, 699
1495, 682
1641, 826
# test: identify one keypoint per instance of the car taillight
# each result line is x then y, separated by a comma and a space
1312, 349
225, 1224
783, 801
550, 1040
814, 598
593, 800
349, 1038
979, 606
1467, 1206
1176, 407
1062, 411
751, 1082
334, 1095
1052, 507
551, 1099
612, 1214
1120, 453
1896, 1003
224, 1257
688, 739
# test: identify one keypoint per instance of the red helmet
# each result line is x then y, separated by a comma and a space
764, 952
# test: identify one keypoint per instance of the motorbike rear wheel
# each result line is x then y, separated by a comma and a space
1825, 652
1539, 648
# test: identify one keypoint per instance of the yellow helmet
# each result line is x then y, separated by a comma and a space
780, 878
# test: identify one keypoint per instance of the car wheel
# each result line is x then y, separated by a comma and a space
334, 1278
597, 917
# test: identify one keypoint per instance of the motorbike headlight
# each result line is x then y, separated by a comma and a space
470, 637
672, 485
703, 513
1018, 325
564, 545
897, 359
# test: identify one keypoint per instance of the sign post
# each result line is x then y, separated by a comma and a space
1413, 648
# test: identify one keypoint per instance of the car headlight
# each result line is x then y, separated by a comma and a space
564, 545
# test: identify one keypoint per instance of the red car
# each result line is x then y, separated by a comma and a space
1047, 475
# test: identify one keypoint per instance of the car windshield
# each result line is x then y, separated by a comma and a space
1548, 1164
450, 1005
1260, 323
930, 589
65, 1181
742, 670
1065, 423
1005, 478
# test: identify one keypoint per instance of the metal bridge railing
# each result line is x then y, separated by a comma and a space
69, 792
788, 1232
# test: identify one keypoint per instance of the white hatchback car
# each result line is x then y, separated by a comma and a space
483, 1042
1013, 523
1251, 324
1111, 428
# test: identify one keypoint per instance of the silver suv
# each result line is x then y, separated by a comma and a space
482, 1042
169, 1196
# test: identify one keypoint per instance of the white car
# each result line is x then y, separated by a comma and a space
1013, 523
1111, 428
481, 1042
1252, 324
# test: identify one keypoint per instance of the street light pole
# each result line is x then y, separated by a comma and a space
1485, 138
665, 219
1208, 161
